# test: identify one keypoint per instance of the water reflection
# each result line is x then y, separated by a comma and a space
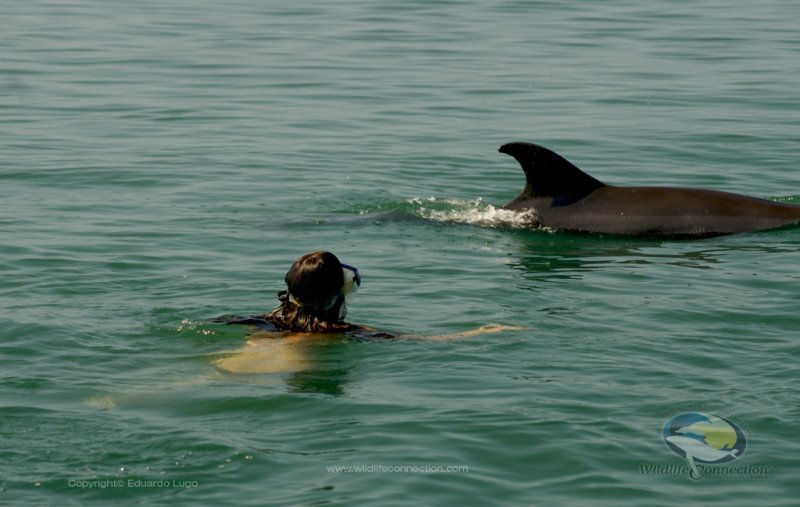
330, 381
566, 256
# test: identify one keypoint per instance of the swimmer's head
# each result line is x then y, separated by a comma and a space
317, 288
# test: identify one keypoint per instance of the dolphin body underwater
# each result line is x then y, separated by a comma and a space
562, 197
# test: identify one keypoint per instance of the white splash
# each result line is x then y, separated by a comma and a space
475, 212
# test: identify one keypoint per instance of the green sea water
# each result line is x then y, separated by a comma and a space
163, 163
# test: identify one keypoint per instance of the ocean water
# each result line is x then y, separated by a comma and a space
163, 163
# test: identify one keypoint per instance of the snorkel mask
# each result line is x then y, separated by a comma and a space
352, 280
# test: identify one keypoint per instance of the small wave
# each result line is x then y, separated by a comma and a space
474, 212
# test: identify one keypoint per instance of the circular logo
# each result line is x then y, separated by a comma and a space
703, 438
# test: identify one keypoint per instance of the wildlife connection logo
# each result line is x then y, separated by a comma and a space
709, 444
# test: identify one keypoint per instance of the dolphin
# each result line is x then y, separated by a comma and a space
716, 432
560, 196
696, 450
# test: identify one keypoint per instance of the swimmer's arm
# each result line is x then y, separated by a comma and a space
487, 329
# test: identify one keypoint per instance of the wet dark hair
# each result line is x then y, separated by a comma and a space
314, 301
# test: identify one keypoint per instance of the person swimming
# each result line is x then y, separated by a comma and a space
318, 287
314, 305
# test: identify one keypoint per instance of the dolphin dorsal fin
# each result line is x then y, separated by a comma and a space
548, 174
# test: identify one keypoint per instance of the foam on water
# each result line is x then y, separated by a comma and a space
472, 212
